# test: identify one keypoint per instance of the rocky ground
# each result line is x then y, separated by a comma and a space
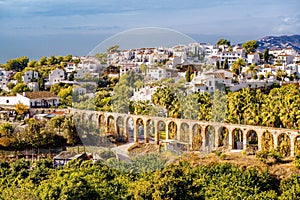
280, 170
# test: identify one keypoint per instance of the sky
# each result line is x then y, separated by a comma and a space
37, 28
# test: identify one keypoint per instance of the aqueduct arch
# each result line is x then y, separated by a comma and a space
198, 134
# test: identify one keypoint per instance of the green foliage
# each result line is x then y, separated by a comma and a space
223, 41
20, 87
290, 188
269, 157
146, 177
297, 160
65, 96
250, 46
17, 64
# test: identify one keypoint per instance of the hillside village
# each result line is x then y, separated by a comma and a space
210, 67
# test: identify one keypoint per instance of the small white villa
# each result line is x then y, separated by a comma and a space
40, 99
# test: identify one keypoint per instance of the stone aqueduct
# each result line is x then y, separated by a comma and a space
189, 127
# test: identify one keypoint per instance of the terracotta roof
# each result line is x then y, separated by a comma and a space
39, 94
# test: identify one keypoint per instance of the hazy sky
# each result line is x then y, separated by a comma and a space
43, 27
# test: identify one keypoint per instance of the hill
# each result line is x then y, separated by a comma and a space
279, 41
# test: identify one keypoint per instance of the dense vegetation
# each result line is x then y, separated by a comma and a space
58, 132
154, 180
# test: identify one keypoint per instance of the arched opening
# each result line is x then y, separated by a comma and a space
252, 141
102, 124
129, 129
111, 130
172, 130
140, 128
150, 130
184, 132
223, 137
121, 137
210, 137
237, 138
197, 138
297, 145
161, 130
284, 144
267, 141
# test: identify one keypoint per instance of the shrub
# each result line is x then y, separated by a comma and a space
269, 157
297, 160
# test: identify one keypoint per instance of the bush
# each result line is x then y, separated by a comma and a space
269, 157
297, 160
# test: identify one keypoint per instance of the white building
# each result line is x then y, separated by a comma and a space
158, 73
143, 94
253, 58
41, 99
4, 78
34, 86
210, 81
56, 76
29, 75
231, 56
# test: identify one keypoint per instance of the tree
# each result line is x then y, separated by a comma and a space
225, 64
6, 129
143, 68
218, 64
236, 66
65, 96
223, 41
43, 61
21, 109
20, 87
113, 49
266, 56
219, 106
17, 64
251, 69
188, 73
250, 46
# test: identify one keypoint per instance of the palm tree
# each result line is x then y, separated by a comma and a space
236, 66
251, 69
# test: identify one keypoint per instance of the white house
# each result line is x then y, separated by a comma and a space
34, 86
210, 81
29, 75
56, 76
4, 78
253, 58
285, 59
41, 99
231, 56
143, 94
158, 73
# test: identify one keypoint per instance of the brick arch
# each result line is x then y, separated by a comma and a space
197, 138
161, 129
267, 141
150, 124
284, 144
210, 136
252, 141
237, 138
172, 130
184, 132
110, 122
223, 136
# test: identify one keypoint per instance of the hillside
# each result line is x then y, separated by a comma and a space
279, 41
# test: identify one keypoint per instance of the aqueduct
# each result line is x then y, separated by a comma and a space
197, 135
